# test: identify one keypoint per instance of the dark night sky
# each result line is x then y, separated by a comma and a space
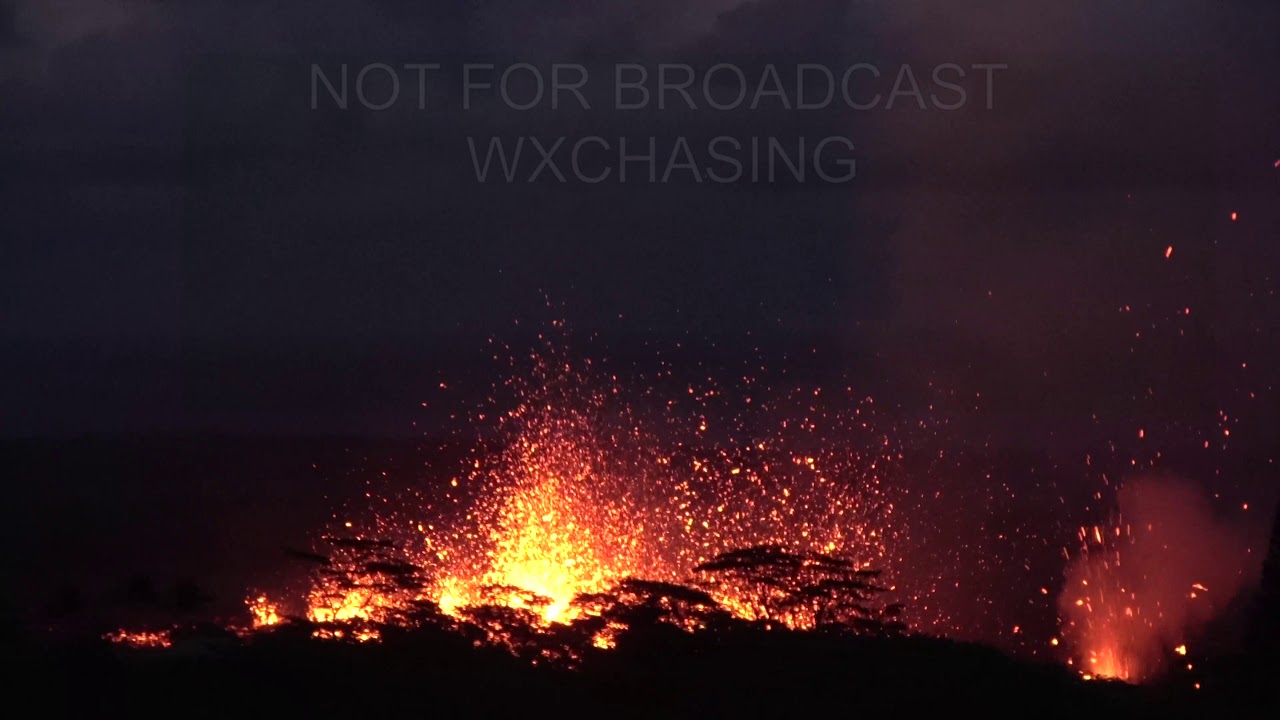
186, 245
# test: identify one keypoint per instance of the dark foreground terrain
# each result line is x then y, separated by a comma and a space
92, 512
658, 672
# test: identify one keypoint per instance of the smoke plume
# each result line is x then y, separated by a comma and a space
1147, 584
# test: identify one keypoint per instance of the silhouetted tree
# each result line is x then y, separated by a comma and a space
1266, 634
388, 586
517, 629
635, 602
802, 589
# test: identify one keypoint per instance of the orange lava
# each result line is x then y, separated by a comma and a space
581, 496
1107, 620
263, 611
140, 639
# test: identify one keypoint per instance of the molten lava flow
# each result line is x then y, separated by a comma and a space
140, 639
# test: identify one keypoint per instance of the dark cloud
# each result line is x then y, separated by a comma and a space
173, 182
8, 23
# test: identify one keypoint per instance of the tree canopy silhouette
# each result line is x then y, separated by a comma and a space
803, 589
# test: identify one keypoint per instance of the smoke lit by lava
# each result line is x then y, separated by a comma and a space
1138, 587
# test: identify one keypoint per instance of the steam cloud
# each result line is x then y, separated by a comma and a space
1172, 568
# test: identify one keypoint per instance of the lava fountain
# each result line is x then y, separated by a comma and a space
587, 488
1141, 587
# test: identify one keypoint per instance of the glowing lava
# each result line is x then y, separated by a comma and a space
263, 612
1106, 628
140, 639
1137, 588
542, 546
583, 493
